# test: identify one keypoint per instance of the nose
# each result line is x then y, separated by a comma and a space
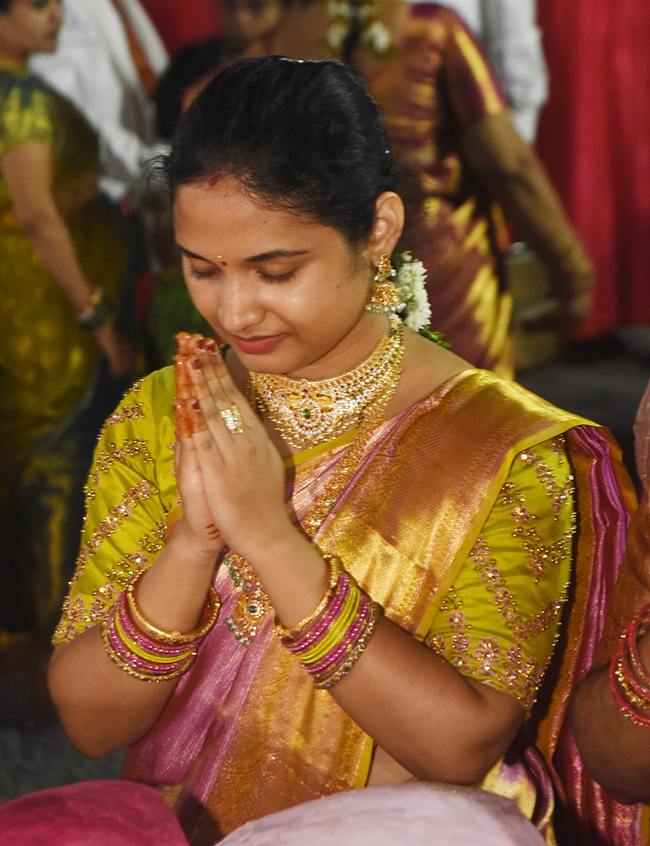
239, 307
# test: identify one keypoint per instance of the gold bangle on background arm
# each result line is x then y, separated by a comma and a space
213, 605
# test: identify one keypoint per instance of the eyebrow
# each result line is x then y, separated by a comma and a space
268, 256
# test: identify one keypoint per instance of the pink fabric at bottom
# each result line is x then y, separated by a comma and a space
399, 815
94, 813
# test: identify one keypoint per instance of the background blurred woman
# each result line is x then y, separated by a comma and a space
452, 134
61, 260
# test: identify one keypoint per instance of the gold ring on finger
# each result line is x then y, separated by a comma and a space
232, 419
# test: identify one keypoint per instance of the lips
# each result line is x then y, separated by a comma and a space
257, 346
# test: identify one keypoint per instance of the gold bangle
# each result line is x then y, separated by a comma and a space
355, 653
112, 654
335, 567
174, 637
338, 629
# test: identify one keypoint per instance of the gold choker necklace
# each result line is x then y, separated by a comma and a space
308, 412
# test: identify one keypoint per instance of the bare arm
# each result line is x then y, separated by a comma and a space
510, 170
435, 722
28, 171
102, 707
438, 724
615, 751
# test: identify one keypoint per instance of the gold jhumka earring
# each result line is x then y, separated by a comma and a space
385, 297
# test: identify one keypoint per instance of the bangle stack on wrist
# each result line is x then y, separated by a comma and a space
98, 314
332, 639
145, 651
629, 679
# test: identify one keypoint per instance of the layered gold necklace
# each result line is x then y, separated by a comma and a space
307, 413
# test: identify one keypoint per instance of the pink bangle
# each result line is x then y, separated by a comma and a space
335, 640
302, 644
140, 654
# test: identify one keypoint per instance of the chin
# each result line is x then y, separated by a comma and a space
48, 46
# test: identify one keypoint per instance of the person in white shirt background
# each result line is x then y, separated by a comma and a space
107, 54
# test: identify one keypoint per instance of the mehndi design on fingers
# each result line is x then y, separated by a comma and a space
183, 339
212, 532
183, 382
183, 423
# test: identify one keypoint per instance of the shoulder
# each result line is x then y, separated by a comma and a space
21, 89
156, 389
26, 111
146, 407
492, 414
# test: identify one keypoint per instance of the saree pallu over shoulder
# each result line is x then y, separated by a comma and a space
246, 734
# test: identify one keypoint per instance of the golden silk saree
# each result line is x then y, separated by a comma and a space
437, 86
245, 733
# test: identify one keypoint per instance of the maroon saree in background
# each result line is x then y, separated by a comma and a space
595, 142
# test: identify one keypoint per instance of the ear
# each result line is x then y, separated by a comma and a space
388, 225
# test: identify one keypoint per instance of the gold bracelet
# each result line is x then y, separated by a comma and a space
175, 637
355, 653
337, 630
112, 654
335, 566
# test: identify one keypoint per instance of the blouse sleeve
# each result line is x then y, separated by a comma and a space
500, 619
25, 113
473, 90
125, 523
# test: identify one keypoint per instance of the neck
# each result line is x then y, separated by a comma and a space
354, 348
13, 60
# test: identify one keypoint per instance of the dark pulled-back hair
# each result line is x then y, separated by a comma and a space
305, 137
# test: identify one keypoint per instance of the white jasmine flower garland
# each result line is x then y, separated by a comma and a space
410, 279
375, 36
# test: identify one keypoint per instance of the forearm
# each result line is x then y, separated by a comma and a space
436, 723
615, 751
511, 171
414, 704
102, 707
54, 246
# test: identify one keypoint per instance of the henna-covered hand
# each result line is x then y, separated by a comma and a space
196, 523
241, 471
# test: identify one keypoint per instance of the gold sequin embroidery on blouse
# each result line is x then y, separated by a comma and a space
130, 448
497, 623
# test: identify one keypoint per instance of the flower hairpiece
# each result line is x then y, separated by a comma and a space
410, 278
375, 35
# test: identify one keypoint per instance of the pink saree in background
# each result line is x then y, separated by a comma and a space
246, 735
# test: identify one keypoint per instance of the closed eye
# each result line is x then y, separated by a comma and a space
206, 273
281, 277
